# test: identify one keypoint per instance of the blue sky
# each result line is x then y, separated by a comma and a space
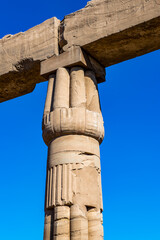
130, 152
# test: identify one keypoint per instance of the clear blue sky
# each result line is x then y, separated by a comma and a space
130, 153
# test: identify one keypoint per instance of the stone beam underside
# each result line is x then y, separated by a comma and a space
113, 31
20, 57
110, 31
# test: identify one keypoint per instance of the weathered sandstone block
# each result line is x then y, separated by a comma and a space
110, 31
113, 31
74, 56
20, 57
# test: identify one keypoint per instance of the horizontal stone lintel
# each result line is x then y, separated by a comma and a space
20, 57
110, 31
113, 31
75, 56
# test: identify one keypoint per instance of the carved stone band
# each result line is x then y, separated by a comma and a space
74, 149
72, 121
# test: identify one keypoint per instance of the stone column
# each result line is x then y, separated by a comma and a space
73, 130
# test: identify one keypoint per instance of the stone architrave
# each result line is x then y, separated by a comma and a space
73, 130
110, 31
21, 55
